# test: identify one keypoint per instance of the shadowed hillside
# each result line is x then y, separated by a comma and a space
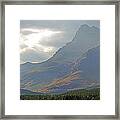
74, 66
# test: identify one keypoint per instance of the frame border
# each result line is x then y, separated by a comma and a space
59, 2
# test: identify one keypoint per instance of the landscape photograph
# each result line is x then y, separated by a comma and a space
59, 59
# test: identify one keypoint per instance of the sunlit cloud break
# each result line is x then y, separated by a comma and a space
36, 36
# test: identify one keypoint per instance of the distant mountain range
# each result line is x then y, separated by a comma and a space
74, 66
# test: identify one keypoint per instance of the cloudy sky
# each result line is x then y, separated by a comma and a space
40, 39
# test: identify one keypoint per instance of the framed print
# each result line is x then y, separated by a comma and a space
60, 59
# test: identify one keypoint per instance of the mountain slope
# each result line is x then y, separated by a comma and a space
84, 73
80, 56
86, 38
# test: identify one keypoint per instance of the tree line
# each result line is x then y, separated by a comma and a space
93, 94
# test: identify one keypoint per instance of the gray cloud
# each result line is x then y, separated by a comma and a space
26, 32
67, 28
22, 46
31, 55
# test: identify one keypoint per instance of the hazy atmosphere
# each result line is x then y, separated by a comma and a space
61, 60
40, 39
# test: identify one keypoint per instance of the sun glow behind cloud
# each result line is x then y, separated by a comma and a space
36, 36
40, 39
33, 39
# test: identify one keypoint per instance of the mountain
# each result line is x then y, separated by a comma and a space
84, 74
86, 38
28, 92
74, 66
89, 64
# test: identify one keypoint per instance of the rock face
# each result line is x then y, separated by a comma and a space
74, 66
